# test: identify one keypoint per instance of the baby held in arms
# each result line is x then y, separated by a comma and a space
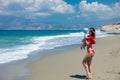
86, 36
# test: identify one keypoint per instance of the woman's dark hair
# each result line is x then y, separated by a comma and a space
93, 31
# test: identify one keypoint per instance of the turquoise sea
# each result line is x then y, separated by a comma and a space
18, 44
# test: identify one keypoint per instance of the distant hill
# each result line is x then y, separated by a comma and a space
112, 28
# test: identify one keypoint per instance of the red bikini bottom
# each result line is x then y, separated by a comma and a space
91, 51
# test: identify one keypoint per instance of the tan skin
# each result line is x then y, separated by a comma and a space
87, 59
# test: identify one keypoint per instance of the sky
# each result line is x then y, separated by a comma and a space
57, 14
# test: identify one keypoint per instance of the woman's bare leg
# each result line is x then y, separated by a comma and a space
89, 63
89, 66
85, 64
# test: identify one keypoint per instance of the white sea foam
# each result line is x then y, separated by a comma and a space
42, 43
101, 34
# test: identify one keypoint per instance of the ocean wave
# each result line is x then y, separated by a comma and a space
43, 43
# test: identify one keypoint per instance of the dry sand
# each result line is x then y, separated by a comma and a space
68, 66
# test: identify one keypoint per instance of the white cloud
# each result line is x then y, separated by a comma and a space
43, 14
62, 7
40, 7
98, 9
93, 7
58, 6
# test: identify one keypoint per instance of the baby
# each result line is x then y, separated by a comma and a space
86, 32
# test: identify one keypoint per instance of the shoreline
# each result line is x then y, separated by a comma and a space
18, 70
67, 65
67, 59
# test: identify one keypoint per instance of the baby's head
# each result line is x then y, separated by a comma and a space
86, 30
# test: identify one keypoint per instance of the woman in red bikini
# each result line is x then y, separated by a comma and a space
90, 52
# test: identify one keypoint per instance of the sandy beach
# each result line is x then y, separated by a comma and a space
67, 65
